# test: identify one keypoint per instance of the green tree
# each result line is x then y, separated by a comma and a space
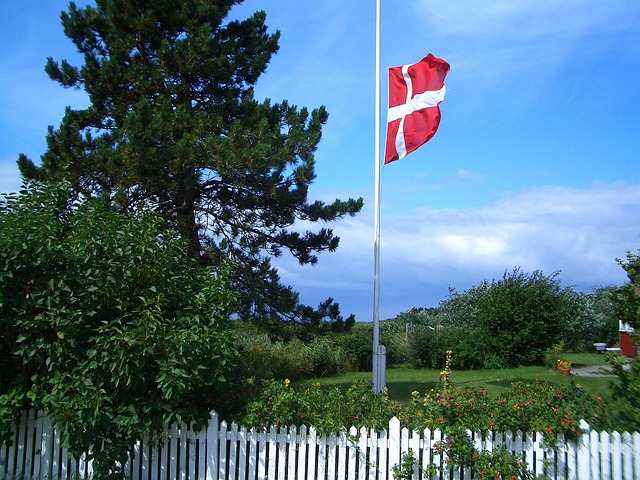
461, 309
626, 299
173, 124
521, 316
592, 319
106, 324
626, 389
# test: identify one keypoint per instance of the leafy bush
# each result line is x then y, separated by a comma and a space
428, 348
626, 389
106, 324
538, 407
279, 403
591, 319
326, 356
358, 345
264, 359
625, 394
626, 299
521, 316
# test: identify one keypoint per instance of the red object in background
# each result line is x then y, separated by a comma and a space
627, 347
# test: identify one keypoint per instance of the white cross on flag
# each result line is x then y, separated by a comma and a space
415, 91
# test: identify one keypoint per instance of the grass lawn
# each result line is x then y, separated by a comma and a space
402, 380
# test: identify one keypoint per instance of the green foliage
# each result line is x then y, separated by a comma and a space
428, 347
626, 299
521, 317
508, 323
461, 309
538, 407
626, 389
458, 450
173, 125
451, 408
279, 403
106, 324
358, 347
358, 344
405, 471
625, 394
263, 358
591, 319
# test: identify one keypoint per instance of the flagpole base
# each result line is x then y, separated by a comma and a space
379, 369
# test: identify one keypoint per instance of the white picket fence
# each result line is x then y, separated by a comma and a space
229, 452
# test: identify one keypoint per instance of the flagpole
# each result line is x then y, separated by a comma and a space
378, 363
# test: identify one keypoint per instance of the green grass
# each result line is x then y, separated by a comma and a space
402, 380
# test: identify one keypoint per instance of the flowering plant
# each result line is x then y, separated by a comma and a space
564, 364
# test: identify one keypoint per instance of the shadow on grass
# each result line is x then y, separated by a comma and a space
507, 382
401, 391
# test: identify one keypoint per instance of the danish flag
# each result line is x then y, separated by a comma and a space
415, 93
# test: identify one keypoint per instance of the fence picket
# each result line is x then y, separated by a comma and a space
199, 452
372, 458
636, 455
361, 473
212, 447
230, 452
242, 453
222, 451
626, 454
312, 440
605, 454
331, 456
292, 447
393, 446
232, 436
281, 442
183, 445
594, 456
616, 455
354, 450
341, 456
322, 458
303, 444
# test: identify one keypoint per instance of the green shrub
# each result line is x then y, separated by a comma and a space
521, 316
326, 356
358, 345
427, 348
625, 394
538, 407
263, 359
280, 403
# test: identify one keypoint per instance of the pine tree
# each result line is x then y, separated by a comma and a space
173, 125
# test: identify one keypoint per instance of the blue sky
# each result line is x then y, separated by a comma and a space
534, 164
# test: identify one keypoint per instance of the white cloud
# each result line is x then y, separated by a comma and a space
495, 38
579, 232
468, 175
519, 19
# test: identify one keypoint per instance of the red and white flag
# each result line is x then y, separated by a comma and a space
415, 91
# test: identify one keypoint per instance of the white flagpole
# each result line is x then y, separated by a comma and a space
379, 360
